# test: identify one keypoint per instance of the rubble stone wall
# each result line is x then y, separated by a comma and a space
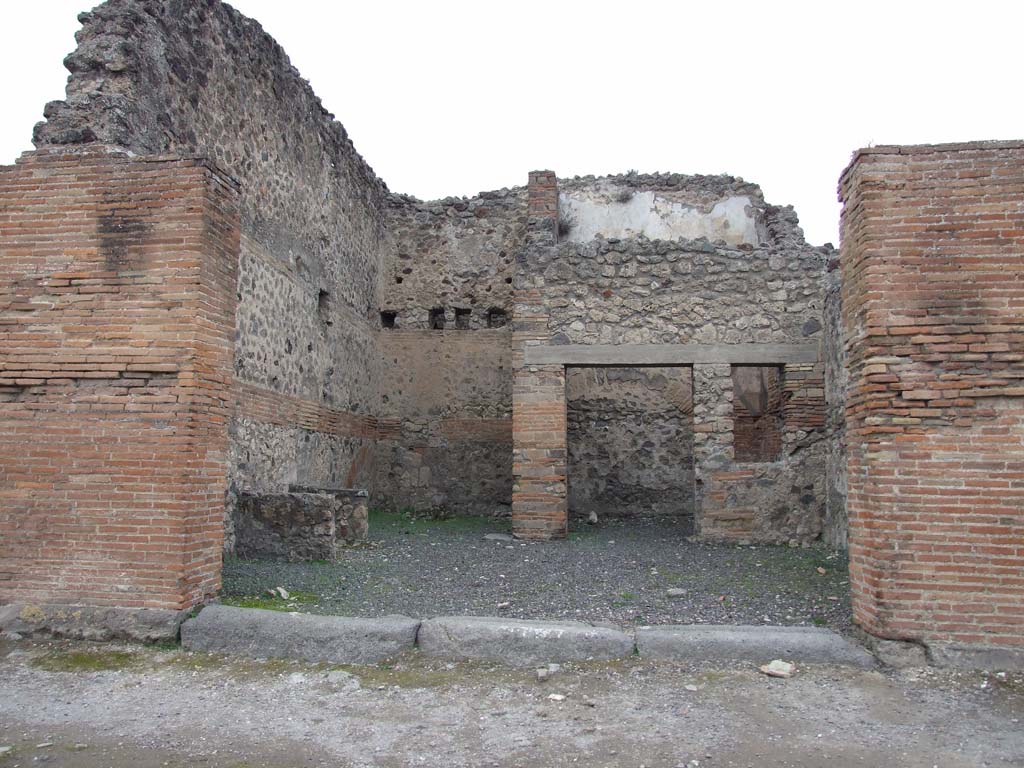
456, 255
445, 353
836, 529
446, 427
630, 434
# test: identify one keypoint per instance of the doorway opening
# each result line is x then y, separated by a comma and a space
630, 442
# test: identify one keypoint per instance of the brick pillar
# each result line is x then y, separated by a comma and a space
539, 455
539, 499
933, 314
117, 302
542, 192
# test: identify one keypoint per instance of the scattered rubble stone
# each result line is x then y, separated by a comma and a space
778, 668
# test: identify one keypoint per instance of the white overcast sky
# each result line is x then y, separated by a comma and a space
454, 98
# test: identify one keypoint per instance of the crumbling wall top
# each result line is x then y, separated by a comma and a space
199, 78
670, 206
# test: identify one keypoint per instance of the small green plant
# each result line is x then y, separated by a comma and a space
269, 602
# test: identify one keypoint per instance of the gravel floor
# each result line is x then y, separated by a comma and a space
620, 571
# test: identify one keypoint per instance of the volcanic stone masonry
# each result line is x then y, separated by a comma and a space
221, 332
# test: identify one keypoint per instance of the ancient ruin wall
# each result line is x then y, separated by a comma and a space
198, 78
456, 255
446, 443
835, 532
758, 282
933, 314
445, 345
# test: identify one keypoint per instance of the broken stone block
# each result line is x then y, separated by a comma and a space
354, 519
299, 526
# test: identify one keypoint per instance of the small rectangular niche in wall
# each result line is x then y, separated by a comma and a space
388, 319
323, 306
462, 318
757, 412
496, 318
435, 321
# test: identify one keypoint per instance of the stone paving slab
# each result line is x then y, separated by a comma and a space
262, 633
521, 642
749, 643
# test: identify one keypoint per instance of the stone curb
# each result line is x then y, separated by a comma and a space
82, 622
521, 642
517, 642
693, 642
310, 637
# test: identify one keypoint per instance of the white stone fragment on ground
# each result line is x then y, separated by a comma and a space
592, 518
543, 674
498, 537
691, 688
676, 592
342, 680
504, 606
779, 668
556, 697
4, 749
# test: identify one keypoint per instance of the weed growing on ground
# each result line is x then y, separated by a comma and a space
294, 601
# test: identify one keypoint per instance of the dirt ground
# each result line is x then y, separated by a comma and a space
93, 706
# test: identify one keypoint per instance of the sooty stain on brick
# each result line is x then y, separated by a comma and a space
121, 232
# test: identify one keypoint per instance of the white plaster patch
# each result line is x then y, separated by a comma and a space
732, 219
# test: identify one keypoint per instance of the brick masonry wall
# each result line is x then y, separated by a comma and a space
933, 311
757, 433
117, 300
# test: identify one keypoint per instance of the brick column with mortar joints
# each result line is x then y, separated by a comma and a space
933, 313
117, 322
539, 454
